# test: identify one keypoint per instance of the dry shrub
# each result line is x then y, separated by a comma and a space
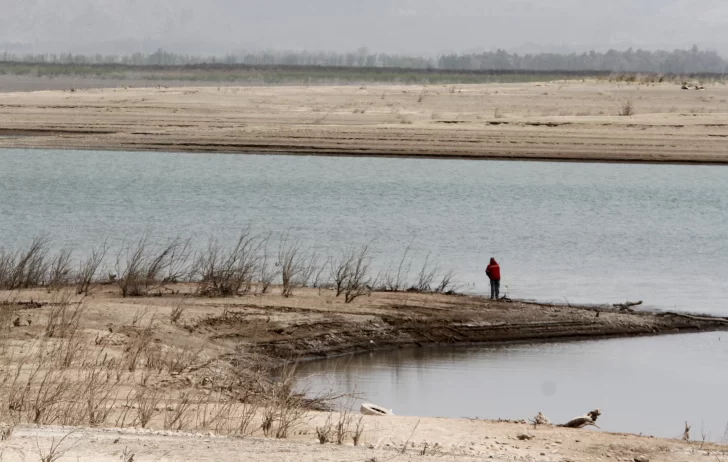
311, 271
427, 274
64, 318
284, 408
340, 271
359, 281
229, 271
139, 345
147, 402
60, 273
178, 310
290, 259
267, 273
350, 273
324, 432
141, 267
342, 425
100, 393
177, 412
25, 268
627, 108
57, 449
447, 284
6, 318
396, 280
88, 269
358, 431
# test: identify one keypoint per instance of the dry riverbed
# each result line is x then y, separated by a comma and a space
145, 355
570, 120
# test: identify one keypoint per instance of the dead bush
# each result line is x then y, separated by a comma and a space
177, 412
395, 280
60, 269
178, 310
290, 260
25, 268
359, 281
139, 346
99, 393
447, 284
627, 108
267, 272
64, 318
358, 431
324, 432
284, 407
56, 450
229, 271
147, 402
88, 269
426, 275
140, 267
340, 271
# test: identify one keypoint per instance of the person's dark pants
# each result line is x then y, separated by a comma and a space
494, 289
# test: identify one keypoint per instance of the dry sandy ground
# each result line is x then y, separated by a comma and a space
574, 120
220, 337
384, 439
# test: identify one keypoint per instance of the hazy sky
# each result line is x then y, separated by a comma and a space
414, 26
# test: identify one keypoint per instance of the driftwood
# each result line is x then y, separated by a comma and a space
578, 422
627, 306
686, 433
693, 317
584, 421
540, 419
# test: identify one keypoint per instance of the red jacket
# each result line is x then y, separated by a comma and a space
493, 270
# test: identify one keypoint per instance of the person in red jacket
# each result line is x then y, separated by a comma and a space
493, 272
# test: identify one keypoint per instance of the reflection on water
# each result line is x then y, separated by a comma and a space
590, 233
643, 385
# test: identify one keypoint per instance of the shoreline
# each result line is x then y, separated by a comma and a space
354, 154
525, 341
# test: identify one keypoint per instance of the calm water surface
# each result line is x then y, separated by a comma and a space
642, 385
590, 233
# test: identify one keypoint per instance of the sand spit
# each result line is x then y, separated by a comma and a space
574, 120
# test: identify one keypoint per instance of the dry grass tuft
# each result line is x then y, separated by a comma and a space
627, 108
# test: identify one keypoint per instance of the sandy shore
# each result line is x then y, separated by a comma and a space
316, 324
446, 440
218, 338
575, 120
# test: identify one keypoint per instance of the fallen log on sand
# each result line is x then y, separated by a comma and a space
627, 306
583, 421
693, 317
589, 419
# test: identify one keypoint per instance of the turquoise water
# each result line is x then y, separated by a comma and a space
591, 233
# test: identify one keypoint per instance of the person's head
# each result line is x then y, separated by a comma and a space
492, 261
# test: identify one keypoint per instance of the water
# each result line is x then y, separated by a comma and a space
643, 385
591, 233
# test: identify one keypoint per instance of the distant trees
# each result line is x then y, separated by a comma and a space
667, 62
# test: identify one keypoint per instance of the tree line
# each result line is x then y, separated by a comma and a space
693, 60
